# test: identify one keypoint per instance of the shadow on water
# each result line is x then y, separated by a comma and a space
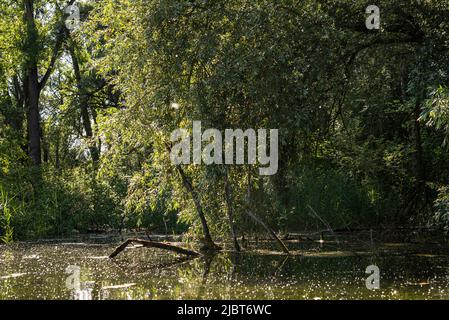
77, 271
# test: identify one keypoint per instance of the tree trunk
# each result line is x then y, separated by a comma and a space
230, 211
45, 148
268, 229
32, 85
34, 144
84, 105
57, 159
209, 244
259, 221
419, 153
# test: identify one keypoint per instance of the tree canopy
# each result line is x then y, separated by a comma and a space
86, 114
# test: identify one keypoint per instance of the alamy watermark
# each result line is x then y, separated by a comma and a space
74, 284
373, 281
257, 150
373, 20
73, 20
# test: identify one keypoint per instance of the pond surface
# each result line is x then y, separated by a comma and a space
322, 271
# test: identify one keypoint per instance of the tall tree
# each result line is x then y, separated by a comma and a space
33, 84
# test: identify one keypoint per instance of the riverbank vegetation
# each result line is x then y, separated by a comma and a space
86, 116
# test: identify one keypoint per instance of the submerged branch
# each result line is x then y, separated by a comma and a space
153, 244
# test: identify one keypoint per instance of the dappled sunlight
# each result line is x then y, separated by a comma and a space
37, 271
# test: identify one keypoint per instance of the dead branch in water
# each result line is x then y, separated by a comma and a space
270, 231
153, 244
253, 216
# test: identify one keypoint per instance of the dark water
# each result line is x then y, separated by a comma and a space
41, 271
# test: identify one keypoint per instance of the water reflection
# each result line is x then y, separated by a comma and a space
73, 271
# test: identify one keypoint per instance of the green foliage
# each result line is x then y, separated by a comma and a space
349, 104
436, 113
9, 209
441, 217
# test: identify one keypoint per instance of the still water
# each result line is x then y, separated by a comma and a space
315, 271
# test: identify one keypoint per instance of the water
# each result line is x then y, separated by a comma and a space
329, 271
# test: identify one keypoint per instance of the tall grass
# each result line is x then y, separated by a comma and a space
8, 209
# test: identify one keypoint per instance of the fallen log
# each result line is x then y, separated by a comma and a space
153, 244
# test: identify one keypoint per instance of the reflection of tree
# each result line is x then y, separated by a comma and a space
235, 259
207, 264
281, 266
7, 266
